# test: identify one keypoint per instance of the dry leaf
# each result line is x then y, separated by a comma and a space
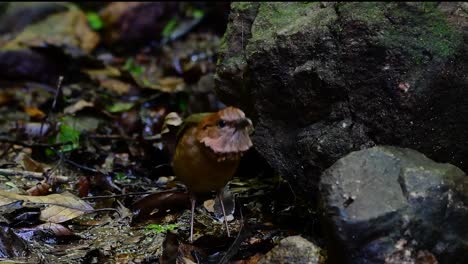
34, 112
81, 104
171, 119
252, 260
116, 86
104, 73
40, 189
5, 98
209, 205
56, 229
29, 164
171, 84
62, 29
63, 207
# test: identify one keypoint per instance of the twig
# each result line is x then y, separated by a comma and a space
105, 210
115, 195
57, 92
98, 136
54, 103
32, 145
81, 166
32, 174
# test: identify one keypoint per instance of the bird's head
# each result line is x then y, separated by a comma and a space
226, 133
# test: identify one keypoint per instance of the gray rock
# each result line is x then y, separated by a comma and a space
293, 249
376, 198
323, 79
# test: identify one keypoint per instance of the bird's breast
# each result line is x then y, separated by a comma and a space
199, 169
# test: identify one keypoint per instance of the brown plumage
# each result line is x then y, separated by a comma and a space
209, 150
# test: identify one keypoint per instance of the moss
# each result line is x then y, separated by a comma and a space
414, 28
241, 6
423, 32
287, 18
368, 12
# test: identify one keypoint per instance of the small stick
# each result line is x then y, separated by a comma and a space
32, 145
35, 175
115, 195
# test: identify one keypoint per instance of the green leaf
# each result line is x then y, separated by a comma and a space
120, 176
169, 28
133, 68
68, 134
182, 105
95, 21
161, 228
120, 107
197, 13
11, 184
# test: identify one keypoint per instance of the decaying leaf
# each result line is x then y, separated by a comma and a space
39, 189
29, 164
81, 104
157, 204
5, 98
171, 119
209, 205
169, 85
34, 112
62, 207
120, 107
116, 86
56, 229
62, 29
108, 78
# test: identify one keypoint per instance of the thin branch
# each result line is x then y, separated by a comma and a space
115, 195
32, 174
32, 145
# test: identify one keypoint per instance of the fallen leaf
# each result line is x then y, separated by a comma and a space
100, 74
62, 207
209, 205
171, 119
83, 186
40, 189
120, 107
34, 112
95, 21
157, 204
81, 104
5, 98
252, 260
116, 86
62, 29
56, 229
171, 84
29, 164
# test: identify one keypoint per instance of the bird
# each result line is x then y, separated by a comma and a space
208, 150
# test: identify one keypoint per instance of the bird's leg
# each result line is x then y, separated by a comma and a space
220, 197
192, 210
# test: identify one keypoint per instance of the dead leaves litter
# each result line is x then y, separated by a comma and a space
61, 207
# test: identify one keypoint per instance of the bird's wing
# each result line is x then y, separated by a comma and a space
190, 121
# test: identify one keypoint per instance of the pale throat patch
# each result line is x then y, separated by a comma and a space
229, 145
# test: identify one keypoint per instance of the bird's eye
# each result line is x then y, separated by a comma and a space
221, 123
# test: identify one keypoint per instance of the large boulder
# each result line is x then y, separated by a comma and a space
384, 201
323, 79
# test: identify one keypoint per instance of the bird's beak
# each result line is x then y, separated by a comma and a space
244, 123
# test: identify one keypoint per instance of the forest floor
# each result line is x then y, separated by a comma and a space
86, 129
